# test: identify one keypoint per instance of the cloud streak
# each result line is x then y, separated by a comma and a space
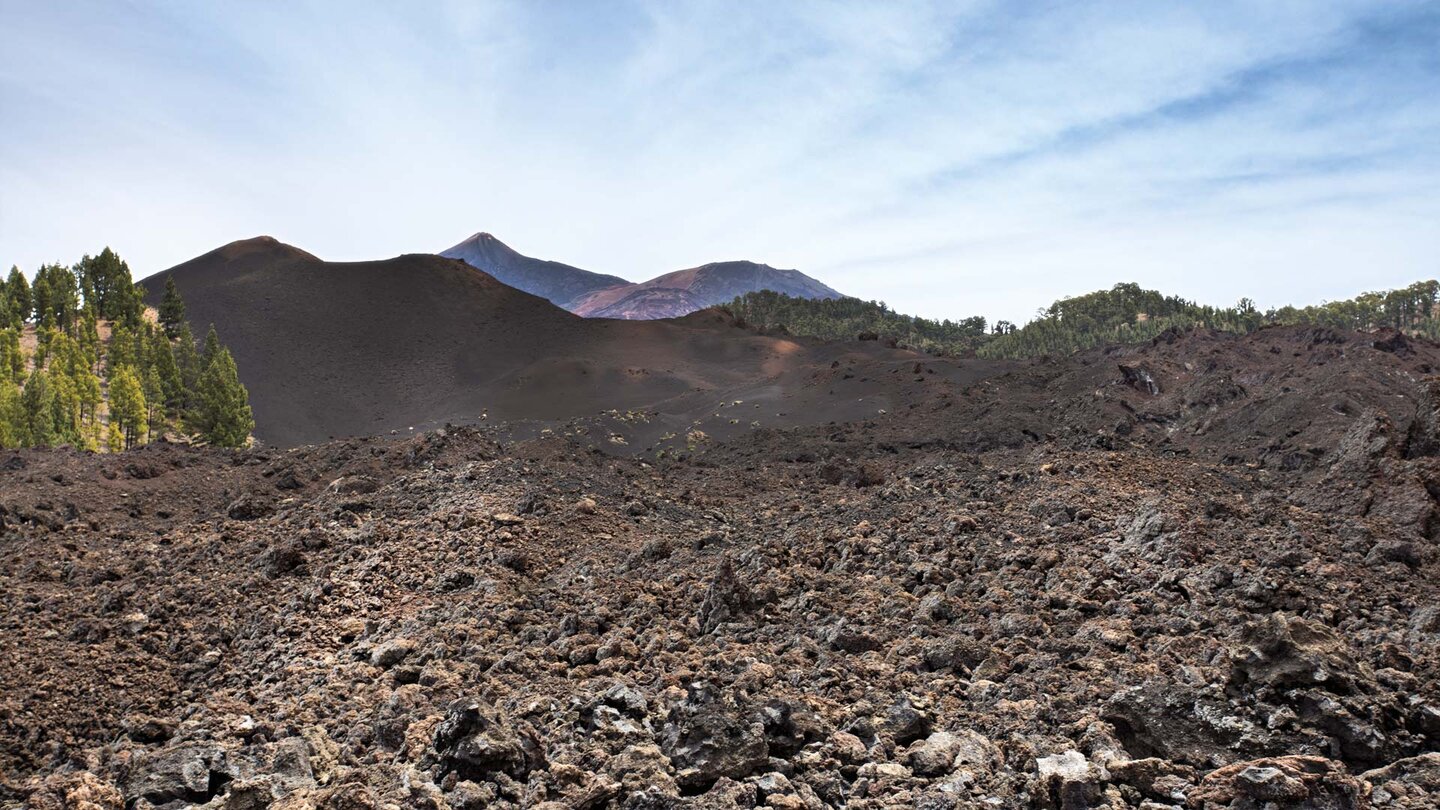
949, 158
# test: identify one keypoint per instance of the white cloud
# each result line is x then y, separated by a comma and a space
950, 159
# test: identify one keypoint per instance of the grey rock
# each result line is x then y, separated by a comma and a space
726, 598
1415, 780
392, 652
1067, 781
476, 744
250, 507
1281, 783
1426, 619
845, 638
707, 739
943, 751
353, 485
193, 772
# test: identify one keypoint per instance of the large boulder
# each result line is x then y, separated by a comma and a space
726, 598
708, 738
1176, 722
474, 742
1285, 652
1406, 783
1067, 781
188, 772
1281, 783
944, 751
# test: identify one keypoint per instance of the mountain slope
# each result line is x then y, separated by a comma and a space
339, 349
698, 287
348, 348
594, 295
639, 303
558, 283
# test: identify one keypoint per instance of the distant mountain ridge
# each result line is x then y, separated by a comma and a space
558, 283
708, 285
595, 295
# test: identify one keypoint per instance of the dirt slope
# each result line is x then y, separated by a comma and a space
338, 349
1103, 581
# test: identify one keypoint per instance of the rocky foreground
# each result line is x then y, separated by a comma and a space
924, 610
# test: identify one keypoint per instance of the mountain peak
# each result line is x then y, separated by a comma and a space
559, 283
600, 296
263, 244
483, 241
263, 240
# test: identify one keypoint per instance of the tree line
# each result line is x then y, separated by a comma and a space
81, 363
1125, 313
844, 318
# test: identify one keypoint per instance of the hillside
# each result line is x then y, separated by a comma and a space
593, 295
84, 363
638, 303
1123, 314
341, 349
557, 283
846, 318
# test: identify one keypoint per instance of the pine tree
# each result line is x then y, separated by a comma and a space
161, 359
107, 278
187, 360
40, 296
225, 417
75, 382
152, 373
172, 309
13, 429
115, 438
90, 336
13, 307
64, 409
95, 281
7, 308
39, 410
127, 405
87, 383
44, 338
21, 302
210, 349
56, 297
154, 401
65, 297
12, 359
121, 351
88, 388
71, 387
133, 302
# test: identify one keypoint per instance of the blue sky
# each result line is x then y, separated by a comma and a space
949, 158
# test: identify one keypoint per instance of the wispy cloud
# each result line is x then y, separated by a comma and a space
949, 158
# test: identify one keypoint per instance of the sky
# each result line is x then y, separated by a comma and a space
950, 158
